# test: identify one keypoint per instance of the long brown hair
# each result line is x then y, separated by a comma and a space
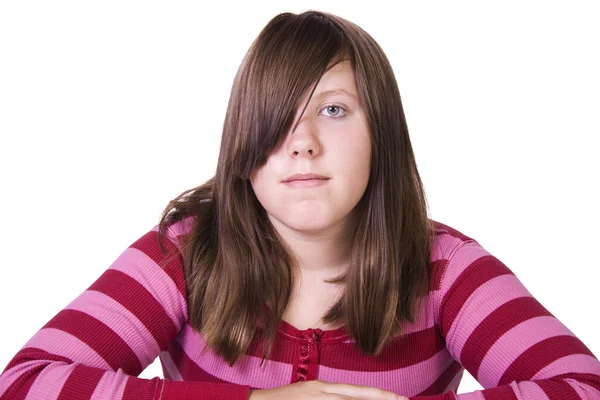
235, 261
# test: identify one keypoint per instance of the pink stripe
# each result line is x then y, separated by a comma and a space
121, 321
246, 371
182, 227
111, 386
471, 396
63, 344
583, 390
443, 245
179, 228
50, 381
513, 343
528, 390
572, 364
480, 304
167, 362
11, 375
423, 375
156, 281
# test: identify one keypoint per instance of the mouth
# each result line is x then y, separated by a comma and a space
305, 177
306, 183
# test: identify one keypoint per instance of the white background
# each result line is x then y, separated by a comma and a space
110, 109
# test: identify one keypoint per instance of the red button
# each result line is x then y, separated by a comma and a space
305, 348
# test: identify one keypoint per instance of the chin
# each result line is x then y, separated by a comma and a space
308, 225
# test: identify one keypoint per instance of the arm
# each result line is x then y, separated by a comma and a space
512, 345
97, 345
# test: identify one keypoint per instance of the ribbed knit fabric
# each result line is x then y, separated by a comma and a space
477, 316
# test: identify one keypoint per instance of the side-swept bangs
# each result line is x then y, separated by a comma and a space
287, 59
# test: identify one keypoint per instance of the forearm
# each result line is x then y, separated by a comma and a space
576, 386
61, 380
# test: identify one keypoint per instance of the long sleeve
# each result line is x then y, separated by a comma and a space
512, 345
98, 344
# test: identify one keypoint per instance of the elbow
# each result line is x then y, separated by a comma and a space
21, 373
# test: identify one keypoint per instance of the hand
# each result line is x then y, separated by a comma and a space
321, 390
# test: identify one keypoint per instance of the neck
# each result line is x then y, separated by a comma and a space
322, 254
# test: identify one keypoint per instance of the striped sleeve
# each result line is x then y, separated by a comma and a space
98, 344
512, 345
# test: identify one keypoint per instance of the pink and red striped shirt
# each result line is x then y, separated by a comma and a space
477, 316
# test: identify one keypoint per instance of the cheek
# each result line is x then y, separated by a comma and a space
362, 167
264, 184
356, 156
257, 181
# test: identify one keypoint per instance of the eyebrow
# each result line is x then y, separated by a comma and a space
336, 91
330, 92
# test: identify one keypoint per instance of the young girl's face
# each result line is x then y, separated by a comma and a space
331, 140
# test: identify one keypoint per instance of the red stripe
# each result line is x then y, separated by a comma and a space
81, 383
441, 383
110, 346
188, 369
170, 261
32, 353
538, 356
558, 390
141, 389
499, 393
500, 321
476, 274
402, 352
135, 298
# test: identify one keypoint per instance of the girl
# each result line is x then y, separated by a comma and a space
307, 267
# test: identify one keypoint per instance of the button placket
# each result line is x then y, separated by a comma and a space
308, 361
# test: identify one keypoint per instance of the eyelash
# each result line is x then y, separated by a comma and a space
336, 106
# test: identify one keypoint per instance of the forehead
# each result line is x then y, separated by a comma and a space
340, 76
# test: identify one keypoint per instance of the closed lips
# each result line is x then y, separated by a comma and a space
305, 177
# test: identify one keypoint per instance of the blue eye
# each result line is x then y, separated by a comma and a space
334, 111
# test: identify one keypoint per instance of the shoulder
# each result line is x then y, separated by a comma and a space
452, 252
446, 240
159, 251
177, 231
464, 272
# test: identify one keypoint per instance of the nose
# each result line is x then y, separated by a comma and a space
304, 141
